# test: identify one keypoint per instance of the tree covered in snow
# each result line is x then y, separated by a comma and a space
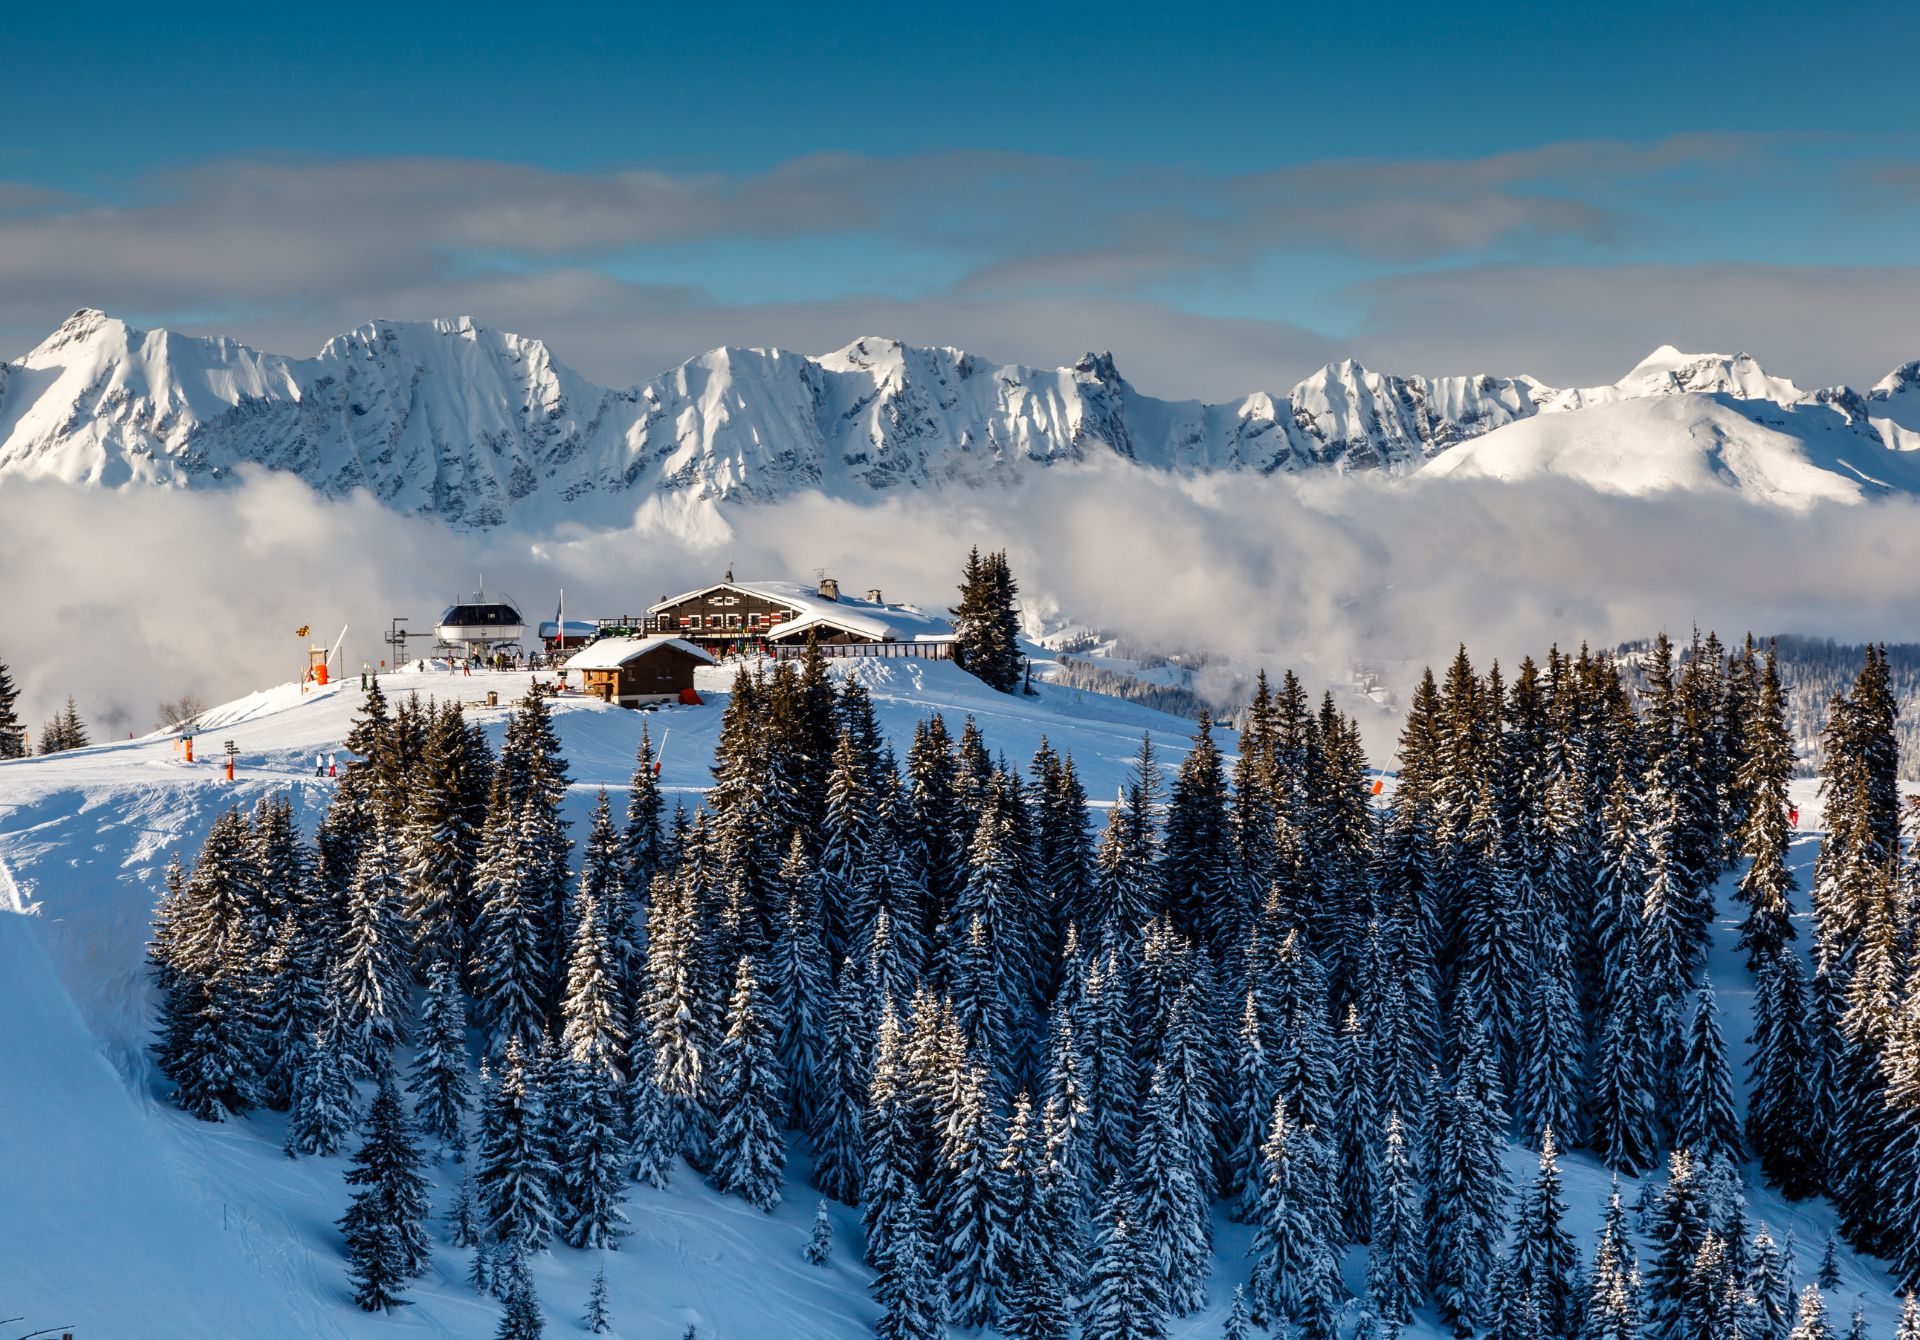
385, 1225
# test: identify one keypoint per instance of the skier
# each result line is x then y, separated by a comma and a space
319, 766
333, 769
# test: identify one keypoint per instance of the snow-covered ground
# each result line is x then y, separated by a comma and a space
131, 1219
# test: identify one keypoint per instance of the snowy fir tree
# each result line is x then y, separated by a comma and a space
1396, 1266
986, 624
819, 1248
905, 1284
439, 1083
748, 1152
1706, 1123
1123, 1299
1294, 1278
13, 732
325, 1106
384, 1226
1810, 1322
520, 1317
514, 1170
598, 1318
593, 1171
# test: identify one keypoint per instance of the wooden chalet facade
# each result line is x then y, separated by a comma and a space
634, 671
777, 617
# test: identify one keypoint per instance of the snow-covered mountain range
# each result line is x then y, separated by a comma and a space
484, 428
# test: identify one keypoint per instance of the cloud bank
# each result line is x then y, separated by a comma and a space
1567, 260
126, 599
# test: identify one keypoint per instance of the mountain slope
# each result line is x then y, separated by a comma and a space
483, 428
1793, 456
149, 1223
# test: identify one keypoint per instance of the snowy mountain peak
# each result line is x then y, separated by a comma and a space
482, 427
1667, 371
86, 326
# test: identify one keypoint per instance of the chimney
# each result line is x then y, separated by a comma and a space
829, 588
874, 596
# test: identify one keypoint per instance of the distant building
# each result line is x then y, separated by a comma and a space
778, 617
631, 671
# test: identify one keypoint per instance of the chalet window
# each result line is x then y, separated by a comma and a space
733, 621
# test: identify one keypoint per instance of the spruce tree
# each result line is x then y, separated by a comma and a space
439, 841
653, 1141
384, 1226
463, 1216
1622, 1113
1678, 1226
211, 1044
1780, 1104
973, 1245
1613, 1287
643, 842
1770, 1316
439, 1082
892, 1161
1239, 1324
986, 626
373, 975
520, 1317
748, 1151
1355, 1128
819, 1248
1706, 1123
1544, 1256
838, 1145
593, 1029
598, 1318
1552, 1045
593, 1171
324, 1107
1469, 1185
1294, 1276
1909, 1319
1395, 1264
905, 1283
514, 1171
13, 732
1172, 1214
1811, 1323
800, 989
1766, 886
1122, 1299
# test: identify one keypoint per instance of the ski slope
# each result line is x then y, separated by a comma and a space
132, 1219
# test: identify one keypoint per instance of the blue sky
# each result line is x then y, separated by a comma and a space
1224, 195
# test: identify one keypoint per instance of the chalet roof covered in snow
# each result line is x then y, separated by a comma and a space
869, 618
610, 653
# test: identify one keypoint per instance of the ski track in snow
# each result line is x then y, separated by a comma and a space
150, 1223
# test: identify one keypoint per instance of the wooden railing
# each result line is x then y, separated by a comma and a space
886, 651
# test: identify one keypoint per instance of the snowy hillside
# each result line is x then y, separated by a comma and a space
484, 428
150, 1223
1790, 456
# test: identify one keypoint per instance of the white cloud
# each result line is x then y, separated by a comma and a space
202, 591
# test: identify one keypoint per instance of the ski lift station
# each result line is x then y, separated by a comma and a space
481, 624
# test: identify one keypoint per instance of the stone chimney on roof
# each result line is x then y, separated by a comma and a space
829, 588
874, 596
